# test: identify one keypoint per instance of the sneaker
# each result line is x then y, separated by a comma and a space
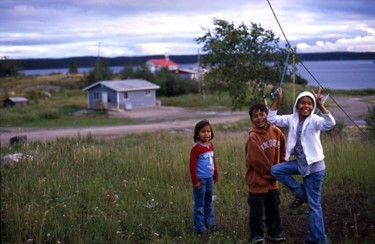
213, 228
297, 202
278, 237
257, 239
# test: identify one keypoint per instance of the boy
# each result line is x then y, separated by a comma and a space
265, 147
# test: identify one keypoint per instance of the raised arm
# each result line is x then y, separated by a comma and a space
319, 101
275, 105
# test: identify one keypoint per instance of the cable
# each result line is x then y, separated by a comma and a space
299, 60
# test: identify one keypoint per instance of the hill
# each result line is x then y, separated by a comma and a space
89, 61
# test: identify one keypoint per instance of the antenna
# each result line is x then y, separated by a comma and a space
99, 43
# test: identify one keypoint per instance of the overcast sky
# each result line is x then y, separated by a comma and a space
113, 28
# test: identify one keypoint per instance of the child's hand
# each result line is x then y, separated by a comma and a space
279, 93
318, 97
319, 101
197, 186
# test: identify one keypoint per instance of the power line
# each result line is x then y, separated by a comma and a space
299, 60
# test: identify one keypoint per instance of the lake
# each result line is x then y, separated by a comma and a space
345, 75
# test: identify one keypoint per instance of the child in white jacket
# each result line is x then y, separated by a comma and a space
304, 143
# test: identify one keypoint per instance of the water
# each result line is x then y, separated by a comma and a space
115, 69
345, 75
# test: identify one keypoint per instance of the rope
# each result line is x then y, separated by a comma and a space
300, 61
274, 94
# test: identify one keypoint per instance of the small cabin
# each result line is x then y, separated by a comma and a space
16, 102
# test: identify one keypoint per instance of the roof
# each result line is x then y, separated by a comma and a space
163, 62
125, 85
18, 99
186, 71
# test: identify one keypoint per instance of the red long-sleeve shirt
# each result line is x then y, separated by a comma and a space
202, 162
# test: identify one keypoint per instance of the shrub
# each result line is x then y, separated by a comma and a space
370, 121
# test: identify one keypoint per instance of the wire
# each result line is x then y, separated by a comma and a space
300, 61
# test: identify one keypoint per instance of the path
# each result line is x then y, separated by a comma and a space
53, 134
170, 118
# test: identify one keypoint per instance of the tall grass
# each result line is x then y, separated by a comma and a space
137, 189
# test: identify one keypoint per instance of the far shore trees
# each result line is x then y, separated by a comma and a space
9, 67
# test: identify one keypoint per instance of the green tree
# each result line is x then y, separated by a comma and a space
127, 73
8, 67
242, 60
73, 69
172, 84
100, 72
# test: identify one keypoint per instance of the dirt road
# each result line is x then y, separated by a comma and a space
157, 119
171, 118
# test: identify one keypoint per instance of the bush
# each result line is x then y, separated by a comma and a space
370, 121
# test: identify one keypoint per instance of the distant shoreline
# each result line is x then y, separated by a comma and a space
89, 61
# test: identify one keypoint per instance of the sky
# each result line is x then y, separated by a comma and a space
115, 28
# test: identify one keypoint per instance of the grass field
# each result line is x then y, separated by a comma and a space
137, 189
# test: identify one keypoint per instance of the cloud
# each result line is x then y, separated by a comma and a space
65, 28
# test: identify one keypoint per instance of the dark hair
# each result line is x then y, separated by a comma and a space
258, 106
199, 126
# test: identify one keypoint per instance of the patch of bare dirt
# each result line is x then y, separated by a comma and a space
350, 110
347, 216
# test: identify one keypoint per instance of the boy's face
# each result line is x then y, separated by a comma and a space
259, 118
305, 107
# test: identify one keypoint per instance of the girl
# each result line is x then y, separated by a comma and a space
204, 174
304, 142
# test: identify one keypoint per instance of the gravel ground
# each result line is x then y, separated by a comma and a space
171, 118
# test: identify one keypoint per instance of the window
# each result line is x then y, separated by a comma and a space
148, 93
96, 96
126, 95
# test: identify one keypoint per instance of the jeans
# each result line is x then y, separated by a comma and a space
309, 191
270, 202
203, 212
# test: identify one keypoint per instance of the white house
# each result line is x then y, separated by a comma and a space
155, 65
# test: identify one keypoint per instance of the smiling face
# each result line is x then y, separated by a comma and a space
259, 118
305, 106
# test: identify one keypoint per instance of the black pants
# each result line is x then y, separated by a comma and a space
269, 202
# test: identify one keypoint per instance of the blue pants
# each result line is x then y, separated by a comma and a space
310, 191
204, 215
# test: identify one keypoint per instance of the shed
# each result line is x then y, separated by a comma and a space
121, 94
16, 101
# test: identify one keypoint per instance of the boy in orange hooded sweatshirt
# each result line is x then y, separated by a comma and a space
265, 147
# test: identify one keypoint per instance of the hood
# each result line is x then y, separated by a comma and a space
303, 94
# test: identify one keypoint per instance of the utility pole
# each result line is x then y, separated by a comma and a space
200, 77
99, 43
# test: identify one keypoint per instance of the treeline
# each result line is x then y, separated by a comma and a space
50, 63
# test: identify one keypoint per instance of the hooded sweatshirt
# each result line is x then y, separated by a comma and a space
264, 148
310, 138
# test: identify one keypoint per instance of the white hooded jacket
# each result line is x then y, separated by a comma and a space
310, 138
